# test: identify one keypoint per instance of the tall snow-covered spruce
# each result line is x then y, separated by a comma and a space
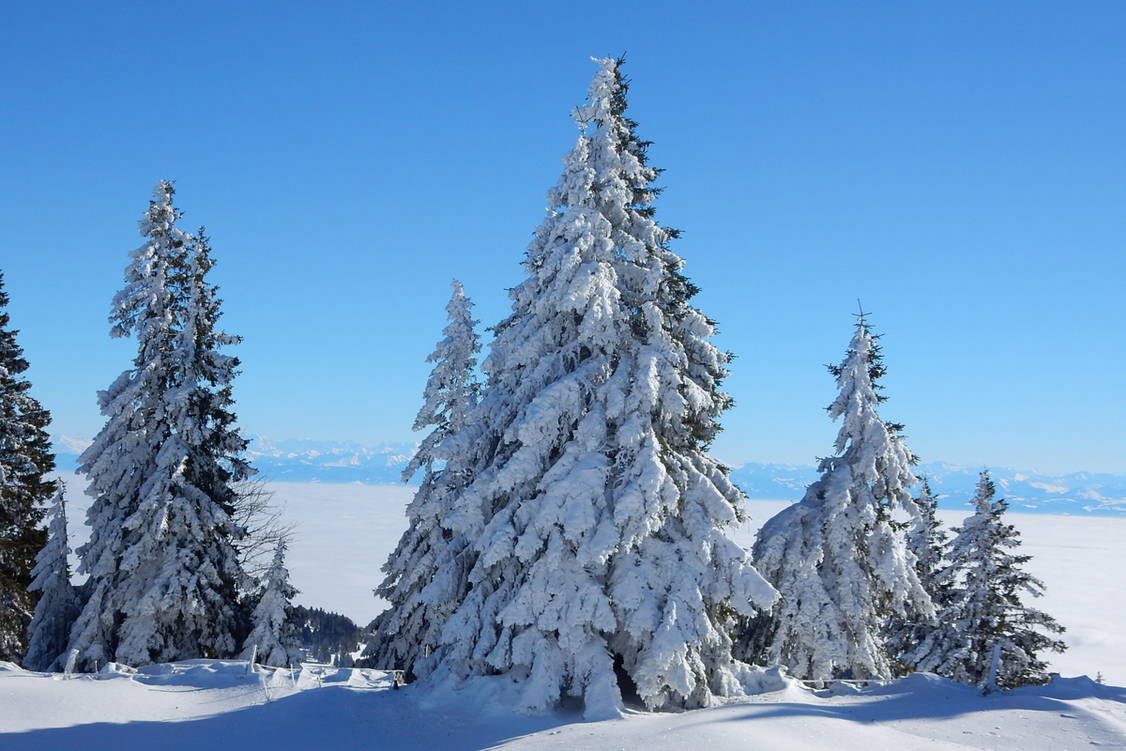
164, 575
58, 603
985, 636
596, 517
425, 577
26, 463
838, 558
273, 637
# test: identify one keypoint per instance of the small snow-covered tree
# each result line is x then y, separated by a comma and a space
596, 516
926, 539
838, 557
58, 603
164, 573
26, 462
273, 637
426, 575
984, 635
452, 389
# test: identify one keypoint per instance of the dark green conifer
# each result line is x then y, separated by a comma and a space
25, 463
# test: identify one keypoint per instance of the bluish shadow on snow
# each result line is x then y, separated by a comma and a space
333, 717
928, 696
198, 674
342, 718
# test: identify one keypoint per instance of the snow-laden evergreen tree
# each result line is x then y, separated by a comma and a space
452, 389
985, 636
164, 574
926, 539
838, 556
58, 602
26, 462
426, 575
122, 458
273, 637
597, 518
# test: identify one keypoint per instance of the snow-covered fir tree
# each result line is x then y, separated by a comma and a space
598, 520
58, 602
452, 389
984, 635
164, 574
273, 637
26, 462
122, 457
189, 604
926, 539
426, 575
838, 556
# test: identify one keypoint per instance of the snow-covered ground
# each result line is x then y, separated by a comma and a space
202, 704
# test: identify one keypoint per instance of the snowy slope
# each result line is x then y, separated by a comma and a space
216, 705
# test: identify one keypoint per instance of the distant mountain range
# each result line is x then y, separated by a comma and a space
332, 461
299, 460
329, 461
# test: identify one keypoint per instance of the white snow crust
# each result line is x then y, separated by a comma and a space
200, 704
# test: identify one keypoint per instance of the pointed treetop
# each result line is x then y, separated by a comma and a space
857, 404
860, 316
279, 554
985, 487
458, 301
143, 305
983, 495
451, 390
201, 260
161, 214
49, 559
12, 362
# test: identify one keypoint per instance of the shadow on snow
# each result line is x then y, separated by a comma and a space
344, 718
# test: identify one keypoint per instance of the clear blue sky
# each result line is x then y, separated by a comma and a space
959, 166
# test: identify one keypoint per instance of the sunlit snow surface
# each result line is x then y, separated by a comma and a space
202, 704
